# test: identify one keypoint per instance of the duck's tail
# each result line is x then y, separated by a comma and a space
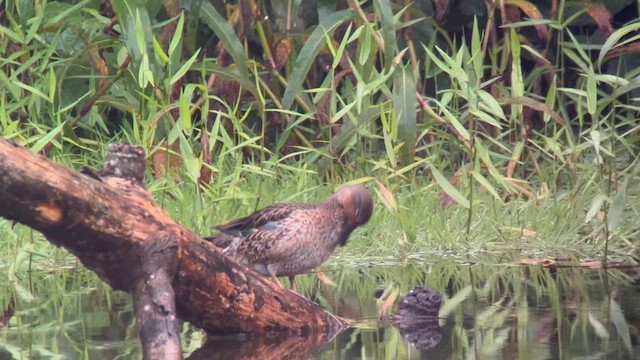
220, 240
229, 243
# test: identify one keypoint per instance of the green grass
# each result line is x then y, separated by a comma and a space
421, 243
419, 227
568, 130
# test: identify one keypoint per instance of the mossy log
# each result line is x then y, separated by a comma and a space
112, 224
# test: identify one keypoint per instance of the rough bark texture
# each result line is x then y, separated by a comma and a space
111, 223
154, 301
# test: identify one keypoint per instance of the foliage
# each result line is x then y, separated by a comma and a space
491, 100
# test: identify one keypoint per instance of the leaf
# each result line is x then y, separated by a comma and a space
454, 121
452, 304
365, 46
517, 81
476, 50
227, 36
405, 104
388, 30
387, 195
309, 51
489, 103
619, 200
32, 90
602, 17
614, 38
228, 73
485, 183
592, 91
485, 117
177, 35
136, 26
48, 137
532, 12
595, 137
448, 188
535, 105
598, 327
617, 316
596, 205
184, 68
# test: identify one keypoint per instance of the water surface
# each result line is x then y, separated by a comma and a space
488, 312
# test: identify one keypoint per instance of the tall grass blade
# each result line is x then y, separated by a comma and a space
388, 30
404, 104
449, 188
309, 51
227, 36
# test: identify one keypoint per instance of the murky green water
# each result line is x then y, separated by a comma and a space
488, 312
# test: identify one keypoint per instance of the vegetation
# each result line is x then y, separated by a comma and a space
488, 139
524, 104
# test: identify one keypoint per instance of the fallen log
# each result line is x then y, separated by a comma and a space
111, 223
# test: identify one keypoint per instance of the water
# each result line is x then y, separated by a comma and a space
488, 312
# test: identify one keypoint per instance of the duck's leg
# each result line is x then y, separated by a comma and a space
292, 281
276, 280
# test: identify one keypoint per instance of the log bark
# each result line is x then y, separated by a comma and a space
111, 223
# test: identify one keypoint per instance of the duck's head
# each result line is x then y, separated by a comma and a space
357, 204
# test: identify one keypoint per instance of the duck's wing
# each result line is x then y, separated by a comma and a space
280, 238
262, 219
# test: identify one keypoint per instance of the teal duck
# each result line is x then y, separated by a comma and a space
287, 239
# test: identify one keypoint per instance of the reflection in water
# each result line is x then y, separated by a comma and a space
279, 347
417, 318
486, 312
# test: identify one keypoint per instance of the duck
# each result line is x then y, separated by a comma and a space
289, 239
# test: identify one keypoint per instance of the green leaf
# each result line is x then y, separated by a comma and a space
550, 100
383, 7
614, 38
592, 91
454, 121
227, 36
619, 200
485, 183
621, 324
455, 302
48, 137
483, 116
136, 25
308, 53
177, 35
228, 73
517, 82
595, 137
404, 105
32, 90
596, 205
364, 50
160, 52
184, 68
70, 10
184, 103
448, 188
476, 50
489, 103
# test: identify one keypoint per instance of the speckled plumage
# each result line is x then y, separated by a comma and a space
287, 239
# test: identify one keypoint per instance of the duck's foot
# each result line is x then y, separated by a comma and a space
323, 278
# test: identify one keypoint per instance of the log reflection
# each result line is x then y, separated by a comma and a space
261, 347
